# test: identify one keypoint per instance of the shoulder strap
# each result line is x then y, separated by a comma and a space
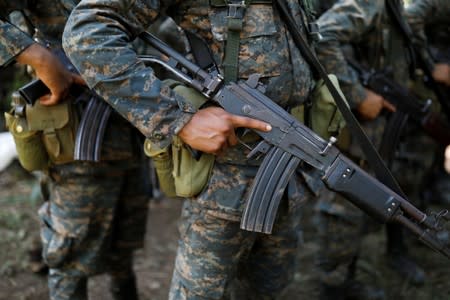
372, 156
236, 12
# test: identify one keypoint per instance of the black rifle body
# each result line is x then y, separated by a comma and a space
286, 145
407, 104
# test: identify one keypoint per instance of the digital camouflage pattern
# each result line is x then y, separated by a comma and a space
85, 229
97, 41
429, 20
365, 28
216, 259
96, 213
133, 89
430, 23
339, 222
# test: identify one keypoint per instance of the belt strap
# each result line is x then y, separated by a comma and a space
236, 12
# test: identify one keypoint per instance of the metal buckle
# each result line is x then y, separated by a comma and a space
314, 31
236, 9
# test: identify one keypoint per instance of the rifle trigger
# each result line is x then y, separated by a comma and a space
262, 148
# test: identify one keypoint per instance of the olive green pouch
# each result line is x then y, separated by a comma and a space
162, 161
179, 173
30, 149
58, 124
190, 175
326, 119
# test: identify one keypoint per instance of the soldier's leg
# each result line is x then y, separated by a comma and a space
208, 253
77, 225
271, 263
129, 231
340, 230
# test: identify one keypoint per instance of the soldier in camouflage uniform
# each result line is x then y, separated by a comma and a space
213, 252
361, 30
429, 20
96, 213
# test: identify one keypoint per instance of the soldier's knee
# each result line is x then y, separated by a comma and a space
66, 286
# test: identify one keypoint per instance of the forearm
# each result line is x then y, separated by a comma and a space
346, 24
101, 52
332, 57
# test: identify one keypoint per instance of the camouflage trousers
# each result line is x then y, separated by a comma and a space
218, 260
94, 219
340, 230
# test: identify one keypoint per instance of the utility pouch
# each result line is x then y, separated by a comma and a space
325, 119
58, 125
179, 173
30, 149
43, 134
162, 161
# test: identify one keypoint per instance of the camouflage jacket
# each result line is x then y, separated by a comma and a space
97, 39
366, 27
429, 20
47, 16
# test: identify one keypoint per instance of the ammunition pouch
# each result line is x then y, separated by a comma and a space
44, 135
30, 148
179, 172
325, 119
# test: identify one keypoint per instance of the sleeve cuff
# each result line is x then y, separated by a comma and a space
12, 42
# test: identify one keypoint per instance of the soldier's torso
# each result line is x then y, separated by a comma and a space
384, 47
438, 36
264, 46
48, 16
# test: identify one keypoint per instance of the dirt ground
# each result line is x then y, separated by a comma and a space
19, 200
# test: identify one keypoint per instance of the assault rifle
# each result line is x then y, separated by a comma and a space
408, 107
286, 145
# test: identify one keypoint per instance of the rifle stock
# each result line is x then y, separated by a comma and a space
290, 142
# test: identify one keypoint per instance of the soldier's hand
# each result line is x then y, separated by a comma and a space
447, 159
441, 73
211, 130
371, 106
51, 71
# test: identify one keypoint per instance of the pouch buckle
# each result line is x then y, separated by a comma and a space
236, 9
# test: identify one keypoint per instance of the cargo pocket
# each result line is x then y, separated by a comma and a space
57, 243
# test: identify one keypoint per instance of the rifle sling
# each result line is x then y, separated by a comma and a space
202, 53
372, 156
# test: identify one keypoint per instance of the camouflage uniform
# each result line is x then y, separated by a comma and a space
96, 213
374, 41
213, 251
429, 20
